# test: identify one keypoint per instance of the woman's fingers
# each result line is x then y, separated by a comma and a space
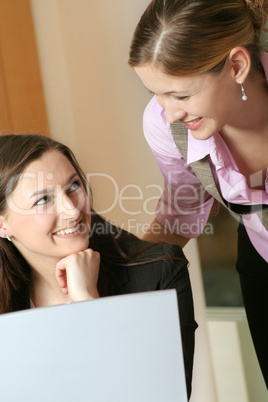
61, 278
78, 274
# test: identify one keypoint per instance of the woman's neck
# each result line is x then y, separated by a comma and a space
251, 115
247, 135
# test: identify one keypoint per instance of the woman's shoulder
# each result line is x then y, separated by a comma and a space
124, 247
154, 115
156, 266
164, 249
131, 264
157, 129
158, 251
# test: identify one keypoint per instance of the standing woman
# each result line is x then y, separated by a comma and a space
207, 126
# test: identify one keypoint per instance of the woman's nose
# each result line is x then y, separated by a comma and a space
68, 208
173, 111
172, 116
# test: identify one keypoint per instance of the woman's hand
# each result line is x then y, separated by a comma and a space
78, 275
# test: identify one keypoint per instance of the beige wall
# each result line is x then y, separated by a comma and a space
95, 101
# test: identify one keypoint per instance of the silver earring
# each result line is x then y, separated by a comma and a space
4, 236
244, 96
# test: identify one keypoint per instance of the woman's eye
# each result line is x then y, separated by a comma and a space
74, 186
43, 200
182, 98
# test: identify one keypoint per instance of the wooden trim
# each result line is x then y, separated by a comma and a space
22, 104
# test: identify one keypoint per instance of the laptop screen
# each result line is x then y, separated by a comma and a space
121, 348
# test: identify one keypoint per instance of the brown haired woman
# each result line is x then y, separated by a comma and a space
55, 249
207, 126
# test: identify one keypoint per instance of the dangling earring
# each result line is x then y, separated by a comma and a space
4, 236
244, 96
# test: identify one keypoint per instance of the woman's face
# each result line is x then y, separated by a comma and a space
205, 103
49, 211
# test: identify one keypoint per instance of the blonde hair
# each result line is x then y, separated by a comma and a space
185, 37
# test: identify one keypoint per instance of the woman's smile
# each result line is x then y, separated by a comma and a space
194, 124
74, 230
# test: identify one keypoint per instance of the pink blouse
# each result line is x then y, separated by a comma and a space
185, 206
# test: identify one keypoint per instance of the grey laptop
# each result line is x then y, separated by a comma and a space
114, 349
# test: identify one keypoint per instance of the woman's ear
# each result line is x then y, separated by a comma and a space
4, 232
240, 62
2, 219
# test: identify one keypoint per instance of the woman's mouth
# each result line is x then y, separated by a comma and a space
68, 231
194, 124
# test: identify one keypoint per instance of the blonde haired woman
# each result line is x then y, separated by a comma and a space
207, 125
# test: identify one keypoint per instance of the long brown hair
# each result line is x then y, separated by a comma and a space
16, 153
185, 37
115, 245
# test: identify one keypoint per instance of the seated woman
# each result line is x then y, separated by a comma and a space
55, 249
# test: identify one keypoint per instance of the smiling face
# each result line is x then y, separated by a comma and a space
205, 103
48, 213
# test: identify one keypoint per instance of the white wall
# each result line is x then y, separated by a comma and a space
95, 101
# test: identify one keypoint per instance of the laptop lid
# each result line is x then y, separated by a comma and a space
122, 348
